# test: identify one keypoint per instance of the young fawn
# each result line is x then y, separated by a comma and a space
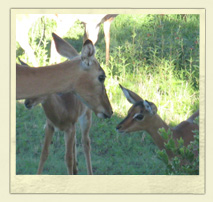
63, 111
143, 116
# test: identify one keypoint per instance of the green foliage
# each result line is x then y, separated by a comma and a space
184, 161
156, 56
151, 39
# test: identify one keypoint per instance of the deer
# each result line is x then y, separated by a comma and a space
64, 22
63, 111
142, 116
92, 28
82, 75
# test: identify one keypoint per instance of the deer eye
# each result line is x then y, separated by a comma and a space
138, 117
101, 78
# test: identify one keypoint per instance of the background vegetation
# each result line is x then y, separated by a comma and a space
156, 56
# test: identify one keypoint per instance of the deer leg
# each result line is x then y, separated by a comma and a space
91, 32
70, 144
107, 37
49, 130
75, 165
85, 124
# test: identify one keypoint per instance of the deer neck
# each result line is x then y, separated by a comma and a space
34, 82
157, 123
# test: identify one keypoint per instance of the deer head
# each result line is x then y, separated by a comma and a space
140, 115
89, 86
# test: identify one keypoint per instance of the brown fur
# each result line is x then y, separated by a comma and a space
152, 122
72, 76
63, 112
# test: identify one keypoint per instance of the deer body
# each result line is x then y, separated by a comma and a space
183, 130
143, 116
82, 76
45, 80
63, 112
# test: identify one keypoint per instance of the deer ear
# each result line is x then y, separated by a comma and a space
150, 107
130, 96
87, 53
64, 48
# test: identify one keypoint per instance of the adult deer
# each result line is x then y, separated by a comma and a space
82, 75
64, 22
63, 111
143, 116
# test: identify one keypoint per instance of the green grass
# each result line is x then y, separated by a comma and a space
156, 56
112, 153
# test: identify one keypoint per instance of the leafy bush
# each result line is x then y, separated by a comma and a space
184, 162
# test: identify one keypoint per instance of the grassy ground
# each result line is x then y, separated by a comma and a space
157, 56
